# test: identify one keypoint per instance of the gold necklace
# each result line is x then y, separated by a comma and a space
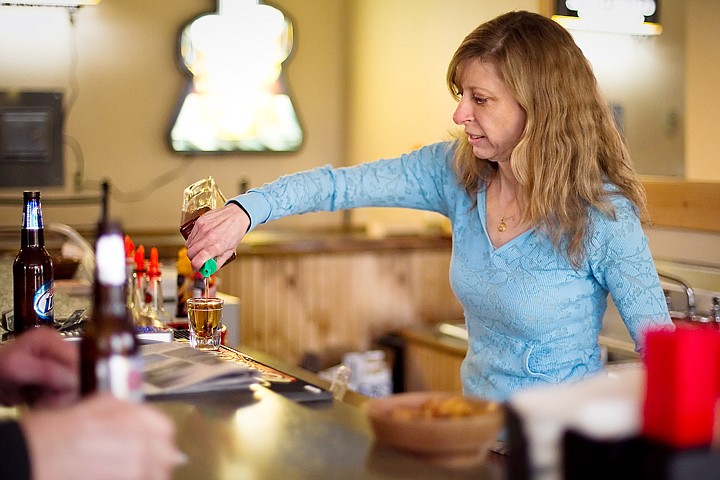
502, 226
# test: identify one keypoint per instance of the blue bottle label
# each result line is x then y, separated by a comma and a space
32, 220
43, 301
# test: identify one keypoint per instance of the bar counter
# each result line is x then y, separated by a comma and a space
260, 434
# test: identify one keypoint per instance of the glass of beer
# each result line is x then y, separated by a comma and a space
205, 322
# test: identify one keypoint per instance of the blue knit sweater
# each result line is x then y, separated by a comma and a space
532, 318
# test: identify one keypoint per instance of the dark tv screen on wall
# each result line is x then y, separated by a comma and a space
31, 139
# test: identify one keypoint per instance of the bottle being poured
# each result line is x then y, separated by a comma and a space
198, 199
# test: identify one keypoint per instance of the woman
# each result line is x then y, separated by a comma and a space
544, 205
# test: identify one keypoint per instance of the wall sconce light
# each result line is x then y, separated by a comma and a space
631, 17
236, 98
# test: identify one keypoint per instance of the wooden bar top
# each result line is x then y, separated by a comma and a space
262, 435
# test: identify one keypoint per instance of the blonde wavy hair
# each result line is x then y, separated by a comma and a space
570, 145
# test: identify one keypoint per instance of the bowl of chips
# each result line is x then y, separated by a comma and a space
442, 428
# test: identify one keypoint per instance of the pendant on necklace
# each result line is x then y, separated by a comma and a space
502, 226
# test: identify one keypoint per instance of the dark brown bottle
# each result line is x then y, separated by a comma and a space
109, 350
32, 271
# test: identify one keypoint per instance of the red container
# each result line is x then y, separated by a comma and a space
683, 385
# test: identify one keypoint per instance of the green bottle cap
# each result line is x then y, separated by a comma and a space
209, 268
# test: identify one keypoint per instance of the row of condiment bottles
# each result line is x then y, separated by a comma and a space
145, 297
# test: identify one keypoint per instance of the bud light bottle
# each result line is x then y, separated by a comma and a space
32, 271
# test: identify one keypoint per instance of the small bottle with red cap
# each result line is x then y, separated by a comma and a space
154, 311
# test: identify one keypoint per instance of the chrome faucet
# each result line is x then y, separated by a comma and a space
715, 310
692, 311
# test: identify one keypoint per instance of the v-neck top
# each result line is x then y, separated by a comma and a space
482, 214
532, 317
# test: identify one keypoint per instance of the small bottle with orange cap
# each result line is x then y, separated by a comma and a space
185, 282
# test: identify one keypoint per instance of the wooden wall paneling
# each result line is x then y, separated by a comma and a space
347, 319
287, 327
329, 307
245, 283
305, 337
374, 300
682, 204
431, 287
430, 369
233, 283
404, 307
252, 296
368, 302
267, 319
295, 303
381, 298
311, 277
290, 311
346, 324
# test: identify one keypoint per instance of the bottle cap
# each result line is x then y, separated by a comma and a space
129, 249
183, 264
140, 259
154, 269
209, 268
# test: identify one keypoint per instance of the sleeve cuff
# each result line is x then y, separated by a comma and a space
255, 205
14, 458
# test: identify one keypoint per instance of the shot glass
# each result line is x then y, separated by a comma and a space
205, 322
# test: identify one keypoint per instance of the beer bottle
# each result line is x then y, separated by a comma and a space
109, 349
32, 271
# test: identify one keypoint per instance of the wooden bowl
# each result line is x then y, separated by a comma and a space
443, 440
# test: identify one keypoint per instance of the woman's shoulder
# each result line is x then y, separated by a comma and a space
435, 159
438, 150
617, 198
621, 214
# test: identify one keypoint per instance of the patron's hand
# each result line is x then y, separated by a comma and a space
100, 438
39, 368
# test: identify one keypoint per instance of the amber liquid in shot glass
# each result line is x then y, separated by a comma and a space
205, 322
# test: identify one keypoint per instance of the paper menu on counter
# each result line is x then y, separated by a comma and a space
177, 368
